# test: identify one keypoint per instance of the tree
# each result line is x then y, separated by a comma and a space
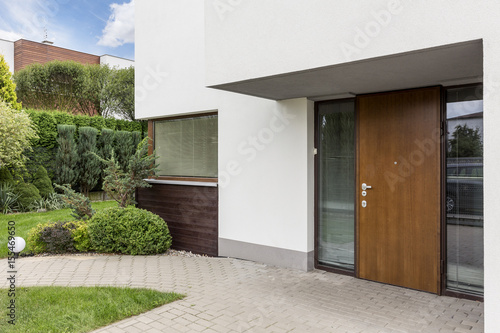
77, 88
118, 94
465, 142
16, 133
88, 164
121, 185
66, 155
7, 86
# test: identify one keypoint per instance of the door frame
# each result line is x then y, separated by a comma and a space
443, 248
355, 272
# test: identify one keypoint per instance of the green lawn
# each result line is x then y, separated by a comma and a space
80, 309
26, 221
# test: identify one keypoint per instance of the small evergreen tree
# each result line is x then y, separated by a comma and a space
66, 156
124, 148
88, 164
42, 182
121, 185
7, 86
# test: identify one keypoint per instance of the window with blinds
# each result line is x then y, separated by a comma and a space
187, 147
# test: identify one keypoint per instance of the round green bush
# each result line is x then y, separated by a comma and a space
28, 193
42, 182
128, 231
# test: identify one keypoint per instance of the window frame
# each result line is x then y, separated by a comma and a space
151, 135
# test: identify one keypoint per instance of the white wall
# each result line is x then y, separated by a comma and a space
265, 150
263, 37
7, 50
117, 62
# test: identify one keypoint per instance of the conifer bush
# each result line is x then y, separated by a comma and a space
42, 182
28, 194
88, 164
66, 156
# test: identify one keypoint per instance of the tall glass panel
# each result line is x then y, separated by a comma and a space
464, 189
336, 184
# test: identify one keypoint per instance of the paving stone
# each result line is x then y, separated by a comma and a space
229, 295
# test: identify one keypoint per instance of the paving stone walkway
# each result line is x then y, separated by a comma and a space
230, 295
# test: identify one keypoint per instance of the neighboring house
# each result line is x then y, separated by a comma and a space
312, 134
22, 53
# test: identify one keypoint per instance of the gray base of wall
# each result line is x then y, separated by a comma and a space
266, 254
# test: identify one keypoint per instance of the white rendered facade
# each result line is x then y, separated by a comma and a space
293, 53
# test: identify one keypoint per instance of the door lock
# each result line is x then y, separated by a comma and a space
363, 203
364, 186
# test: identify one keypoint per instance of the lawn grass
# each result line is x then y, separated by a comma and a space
76, 309
26, 221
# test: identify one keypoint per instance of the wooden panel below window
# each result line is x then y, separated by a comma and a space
191, 213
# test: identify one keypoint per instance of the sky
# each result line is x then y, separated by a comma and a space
92, 26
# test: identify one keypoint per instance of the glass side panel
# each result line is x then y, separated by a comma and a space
464, 190
336, 184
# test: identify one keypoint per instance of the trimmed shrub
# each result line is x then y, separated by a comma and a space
28, 194
59, 237
6, 176
110, 123
81, 237
129, 231
42, 182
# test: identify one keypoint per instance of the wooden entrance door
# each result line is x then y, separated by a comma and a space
399, 157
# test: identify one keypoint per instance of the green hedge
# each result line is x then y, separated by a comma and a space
46, 125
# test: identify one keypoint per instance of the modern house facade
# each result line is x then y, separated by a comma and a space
21, 53
353, 137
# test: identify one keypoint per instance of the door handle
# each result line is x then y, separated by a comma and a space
365, 187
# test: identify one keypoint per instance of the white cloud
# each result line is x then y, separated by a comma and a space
120, 28
10, 35
26, 19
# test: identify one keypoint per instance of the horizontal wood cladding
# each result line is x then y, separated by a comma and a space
191, 213
27, 52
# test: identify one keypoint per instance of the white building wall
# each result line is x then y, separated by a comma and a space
116, 62
263, 37
265, 147
7, 50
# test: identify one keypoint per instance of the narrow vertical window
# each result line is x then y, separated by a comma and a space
464, 190
336, 184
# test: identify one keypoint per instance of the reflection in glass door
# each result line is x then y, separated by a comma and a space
336, 183
464, 190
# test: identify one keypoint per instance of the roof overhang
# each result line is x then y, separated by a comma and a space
447, 65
